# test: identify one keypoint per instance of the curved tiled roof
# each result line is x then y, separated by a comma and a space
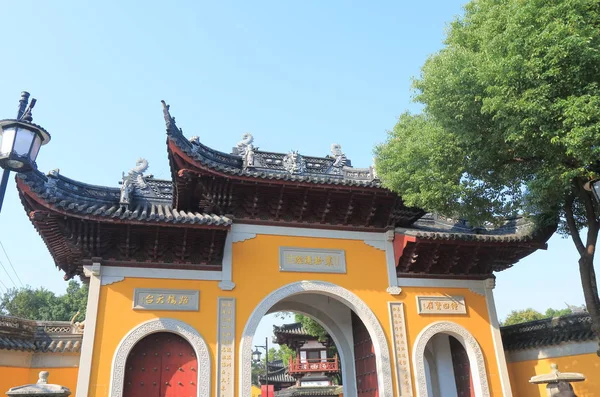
547, 332
269, 165
297, 391
291, 329
436, 227
153, 204
279, 375
39, 336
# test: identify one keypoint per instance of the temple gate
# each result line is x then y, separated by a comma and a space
186, 259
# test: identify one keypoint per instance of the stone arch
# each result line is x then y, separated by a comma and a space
117, 373
342, 295
476, 360
345, 348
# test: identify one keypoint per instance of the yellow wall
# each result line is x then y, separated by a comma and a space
255, 391
587, 364
59, 376
256, 274
19, 376
12, 376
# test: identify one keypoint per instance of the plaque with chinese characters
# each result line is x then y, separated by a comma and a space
441, 305
400, 348
311, 260
226, 347
166, 299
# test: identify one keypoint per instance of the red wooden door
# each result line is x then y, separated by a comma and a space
364, 360
161, 365
462, 369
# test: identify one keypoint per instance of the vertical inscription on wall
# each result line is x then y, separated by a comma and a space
226, 346
400, 348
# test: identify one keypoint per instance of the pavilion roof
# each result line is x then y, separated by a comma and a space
316, 391
291, 329
277, 374
211, 189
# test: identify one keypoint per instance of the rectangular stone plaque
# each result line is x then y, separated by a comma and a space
441, 305
398, 325
311, 260
166, 299
226, 347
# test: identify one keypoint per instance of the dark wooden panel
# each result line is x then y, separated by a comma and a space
462, 369
161, 365
364, 360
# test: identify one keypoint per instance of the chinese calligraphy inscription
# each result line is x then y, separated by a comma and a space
441, 305
226, 347
166, 299
311, 260
400, 348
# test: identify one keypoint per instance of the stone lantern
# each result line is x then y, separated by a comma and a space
558, 383
40, 389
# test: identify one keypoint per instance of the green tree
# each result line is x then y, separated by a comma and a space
311, 326
523, 316
510, 123
42, 304
557, 313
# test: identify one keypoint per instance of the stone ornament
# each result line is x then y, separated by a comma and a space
382, 352
558, 383
117, 377
294, 163
42, 388
476, 360
134, 180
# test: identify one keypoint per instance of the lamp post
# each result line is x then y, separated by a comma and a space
256, 357
20, 142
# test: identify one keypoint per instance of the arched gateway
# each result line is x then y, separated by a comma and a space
230, 237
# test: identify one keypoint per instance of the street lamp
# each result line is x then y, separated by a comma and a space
256, 357
20, 142
595, 188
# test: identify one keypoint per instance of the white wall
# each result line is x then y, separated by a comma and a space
440, 346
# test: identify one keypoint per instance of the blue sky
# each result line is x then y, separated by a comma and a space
298, 75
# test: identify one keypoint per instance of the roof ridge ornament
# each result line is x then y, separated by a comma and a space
134, 180
169, 120
294, 163
246, 149
340, 159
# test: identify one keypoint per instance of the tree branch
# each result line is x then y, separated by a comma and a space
572, 225
590, 214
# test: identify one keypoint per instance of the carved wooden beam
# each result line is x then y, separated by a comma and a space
303, 206
279, 204
372, 210
326, 207
350, 209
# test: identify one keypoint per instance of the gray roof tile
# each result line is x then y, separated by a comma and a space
151, 205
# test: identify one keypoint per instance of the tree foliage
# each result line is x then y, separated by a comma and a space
311, 326
42, 304
523, 316
510, 122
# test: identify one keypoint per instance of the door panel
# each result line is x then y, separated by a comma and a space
364, 360
161, 365
462, 369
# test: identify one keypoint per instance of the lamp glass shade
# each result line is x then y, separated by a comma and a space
596, 190
8, 137
23, 141
35, 149
256, 355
